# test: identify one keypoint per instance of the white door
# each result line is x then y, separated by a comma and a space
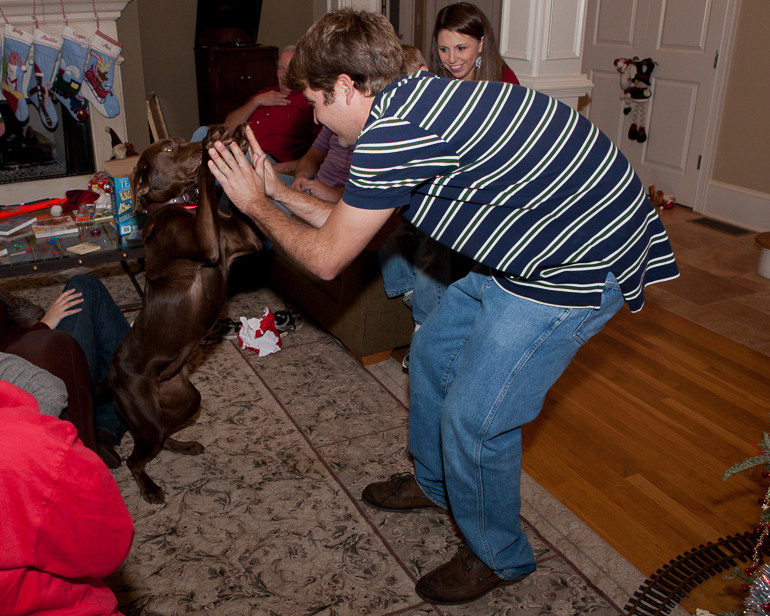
682, 37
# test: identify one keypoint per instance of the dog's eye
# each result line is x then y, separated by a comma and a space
168, 148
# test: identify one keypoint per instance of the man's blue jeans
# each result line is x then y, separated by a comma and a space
410, 260
99, 328
480, 368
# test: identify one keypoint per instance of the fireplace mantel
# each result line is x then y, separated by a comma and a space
80, 16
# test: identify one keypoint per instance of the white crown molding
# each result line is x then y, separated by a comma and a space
19, 12
559, 86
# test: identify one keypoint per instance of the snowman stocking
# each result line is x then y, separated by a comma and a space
100, 74
47, 48
69, 77
15, 55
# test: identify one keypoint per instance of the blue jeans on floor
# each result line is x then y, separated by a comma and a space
480, 368
99, 328
410, 260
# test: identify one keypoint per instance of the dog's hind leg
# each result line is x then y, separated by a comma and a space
179, 400
137, 410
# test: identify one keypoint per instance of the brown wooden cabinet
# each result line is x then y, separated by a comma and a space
228, 76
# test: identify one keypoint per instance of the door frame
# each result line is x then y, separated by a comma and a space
727, 40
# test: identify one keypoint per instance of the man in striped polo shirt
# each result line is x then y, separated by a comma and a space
551, 211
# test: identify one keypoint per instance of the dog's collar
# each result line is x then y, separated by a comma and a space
188, 197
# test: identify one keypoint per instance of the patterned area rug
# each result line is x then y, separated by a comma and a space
268, 520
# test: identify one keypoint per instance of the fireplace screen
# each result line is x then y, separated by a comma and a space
29, 151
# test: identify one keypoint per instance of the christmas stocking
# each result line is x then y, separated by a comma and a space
100, 73
47, 48
69, 77
15, 55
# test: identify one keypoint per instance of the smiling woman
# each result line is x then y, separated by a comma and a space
464, 46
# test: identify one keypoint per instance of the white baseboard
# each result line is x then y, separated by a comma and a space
740, 206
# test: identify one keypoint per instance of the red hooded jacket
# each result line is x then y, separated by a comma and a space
63, 523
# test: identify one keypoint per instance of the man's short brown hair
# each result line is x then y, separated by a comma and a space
356, 43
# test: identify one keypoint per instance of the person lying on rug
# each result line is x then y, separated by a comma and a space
65, 526
87, 312
551, 211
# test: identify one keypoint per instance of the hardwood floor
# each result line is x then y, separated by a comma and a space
636, 435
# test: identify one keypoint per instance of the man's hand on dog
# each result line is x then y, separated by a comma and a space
246, 184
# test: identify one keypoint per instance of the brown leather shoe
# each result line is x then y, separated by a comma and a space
461, 580
400, 492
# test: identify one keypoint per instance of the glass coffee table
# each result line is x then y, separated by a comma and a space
22, 253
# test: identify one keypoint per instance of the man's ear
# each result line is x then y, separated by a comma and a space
347, 86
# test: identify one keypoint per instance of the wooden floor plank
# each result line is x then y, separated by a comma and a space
635, 436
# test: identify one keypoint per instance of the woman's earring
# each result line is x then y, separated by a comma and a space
478, 61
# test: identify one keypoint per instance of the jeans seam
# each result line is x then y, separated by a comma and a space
593, 313
490, 418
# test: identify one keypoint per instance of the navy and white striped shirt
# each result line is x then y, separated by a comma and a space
515, 180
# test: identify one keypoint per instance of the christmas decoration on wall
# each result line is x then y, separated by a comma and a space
100, 74
16, 46
635, 86
69, 76
756, 576
45, 57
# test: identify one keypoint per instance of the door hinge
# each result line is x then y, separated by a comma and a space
716, 58
700, 158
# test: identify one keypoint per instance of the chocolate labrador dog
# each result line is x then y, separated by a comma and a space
188, 252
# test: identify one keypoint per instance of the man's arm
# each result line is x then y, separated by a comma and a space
318, 189
304, 175
288, 167
268, 98
337, 233
325, 251
308, 166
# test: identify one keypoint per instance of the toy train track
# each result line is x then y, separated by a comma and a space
664, 589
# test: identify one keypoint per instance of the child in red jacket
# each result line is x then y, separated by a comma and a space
64, 524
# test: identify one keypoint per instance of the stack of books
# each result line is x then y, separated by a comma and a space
9, 226
54, 227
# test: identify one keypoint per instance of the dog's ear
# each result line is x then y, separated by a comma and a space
140, 184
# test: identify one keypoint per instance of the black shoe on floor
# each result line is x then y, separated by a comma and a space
287, 321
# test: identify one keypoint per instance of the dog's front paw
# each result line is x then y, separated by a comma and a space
240, 138
217, 133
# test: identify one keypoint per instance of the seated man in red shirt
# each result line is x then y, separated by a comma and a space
281, 118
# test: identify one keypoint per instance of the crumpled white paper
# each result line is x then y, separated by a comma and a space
260, 335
